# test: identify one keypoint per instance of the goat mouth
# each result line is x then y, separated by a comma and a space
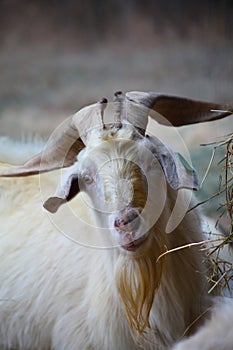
134, 244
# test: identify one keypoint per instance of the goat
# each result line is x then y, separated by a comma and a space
128, 197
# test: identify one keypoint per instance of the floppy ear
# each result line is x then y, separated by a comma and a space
178, 173
68, 190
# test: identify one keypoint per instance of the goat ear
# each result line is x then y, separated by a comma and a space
177, 110
178, 173
68, 190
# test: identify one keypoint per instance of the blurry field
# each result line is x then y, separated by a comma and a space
41, 86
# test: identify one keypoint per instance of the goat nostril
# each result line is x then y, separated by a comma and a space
117, 223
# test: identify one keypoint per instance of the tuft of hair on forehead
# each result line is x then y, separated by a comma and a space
118, 149
111, 132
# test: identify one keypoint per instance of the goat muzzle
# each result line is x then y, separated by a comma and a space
127, 225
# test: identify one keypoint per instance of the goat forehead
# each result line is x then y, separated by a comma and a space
112, 153
120, 168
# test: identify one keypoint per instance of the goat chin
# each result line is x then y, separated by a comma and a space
137, 277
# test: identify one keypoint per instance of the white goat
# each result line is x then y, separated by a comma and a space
56, 294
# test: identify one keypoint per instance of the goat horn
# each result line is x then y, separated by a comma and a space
118, 100
179, 111
102, 106
64, 144
61, 151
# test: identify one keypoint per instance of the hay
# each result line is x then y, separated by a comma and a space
222, 276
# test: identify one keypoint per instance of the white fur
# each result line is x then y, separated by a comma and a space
216, 334
57, 294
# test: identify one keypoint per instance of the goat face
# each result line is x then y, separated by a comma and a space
125, 185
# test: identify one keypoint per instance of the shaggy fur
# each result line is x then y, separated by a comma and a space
57, 294
216, 334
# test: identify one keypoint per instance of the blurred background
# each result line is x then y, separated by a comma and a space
59, 55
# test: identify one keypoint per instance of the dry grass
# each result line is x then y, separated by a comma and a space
222, 266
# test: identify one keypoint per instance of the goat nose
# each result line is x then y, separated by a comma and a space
128, 220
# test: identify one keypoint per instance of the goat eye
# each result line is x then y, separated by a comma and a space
88, 179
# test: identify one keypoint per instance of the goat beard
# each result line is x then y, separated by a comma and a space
137, 279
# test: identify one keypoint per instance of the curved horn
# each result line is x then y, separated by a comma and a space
63, 146
60, 151
179, 111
